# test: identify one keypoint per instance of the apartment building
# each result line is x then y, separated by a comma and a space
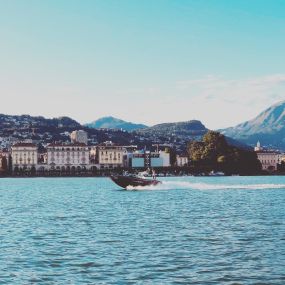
65, 156
24, 156
79, 137
111, 155
182, 160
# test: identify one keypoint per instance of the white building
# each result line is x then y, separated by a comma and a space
67, 157
111, 155
79, 137
24, 155
165, 156
258, 147
269, 159
181, 160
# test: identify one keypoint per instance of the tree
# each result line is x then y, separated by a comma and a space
196, 151
214, 153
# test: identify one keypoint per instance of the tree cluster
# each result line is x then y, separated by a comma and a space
214, 153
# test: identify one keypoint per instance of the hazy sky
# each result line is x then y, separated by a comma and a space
219, 61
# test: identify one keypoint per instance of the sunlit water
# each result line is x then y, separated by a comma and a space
222, 230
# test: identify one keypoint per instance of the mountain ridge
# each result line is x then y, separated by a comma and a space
110, 122
267, 127
192, 126
41, 129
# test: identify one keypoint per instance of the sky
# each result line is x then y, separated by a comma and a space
145, 61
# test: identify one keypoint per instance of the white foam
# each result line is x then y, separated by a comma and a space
169, 185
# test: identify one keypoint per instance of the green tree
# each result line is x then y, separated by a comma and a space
214, 153
196, 151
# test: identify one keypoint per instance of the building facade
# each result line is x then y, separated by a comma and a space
165, 156
111, 155
5, 160
68, 156
138, 159
182, 160
24, 156
79, 137
269, 159
148, 159
258, 147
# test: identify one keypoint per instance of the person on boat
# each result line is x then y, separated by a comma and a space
153, 174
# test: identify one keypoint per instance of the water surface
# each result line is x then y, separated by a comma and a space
220, 230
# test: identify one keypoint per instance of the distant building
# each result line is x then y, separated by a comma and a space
148, 159
165, 156
93, 154
2, 159
258, 147
269, 159
127, 158
111, 155
5, 153
139, 160
68, 157
182, 160
24, 156
79, 137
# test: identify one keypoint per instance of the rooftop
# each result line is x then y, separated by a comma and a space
65, 145
22, 144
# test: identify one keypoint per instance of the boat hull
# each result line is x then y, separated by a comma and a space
125, 181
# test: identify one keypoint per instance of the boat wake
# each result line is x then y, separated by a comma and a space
180, 185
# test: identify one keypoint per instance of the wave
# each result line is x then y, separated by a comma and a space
182, 185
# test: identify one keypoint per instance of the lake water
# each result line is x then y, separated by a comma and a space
190, 230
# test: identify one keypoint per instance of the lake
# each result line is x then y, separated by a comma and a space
189, 230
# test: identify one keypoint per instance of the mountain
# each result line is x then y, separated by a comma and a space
114, 123
268, 127
189, 129
180, 133
37, 128
27, 121
43, 130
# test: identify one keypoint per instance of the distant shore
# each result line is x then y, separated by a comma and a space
158, 177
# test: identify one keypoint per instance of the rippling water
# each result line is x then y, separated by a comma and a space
223, 230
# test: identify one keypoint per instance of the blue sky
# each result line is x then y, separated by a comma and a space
219, 61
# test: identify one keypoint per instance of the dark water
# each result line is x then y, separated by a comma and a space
188, 231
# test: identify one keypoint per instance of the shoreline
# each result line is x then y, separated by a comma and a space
167, 176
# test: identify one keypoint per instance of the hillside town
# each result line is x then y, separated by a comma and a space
78, 156
43, 131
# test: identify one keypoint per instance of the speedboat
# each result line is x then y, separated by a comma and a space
134, 181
